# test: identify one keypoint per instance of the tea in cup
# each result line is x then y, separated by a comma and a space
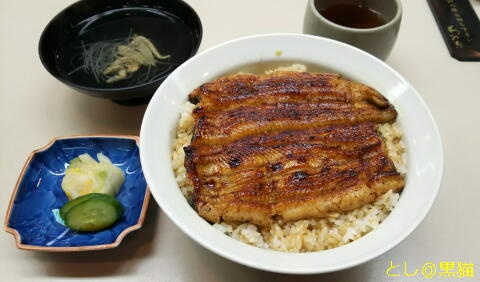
371, 25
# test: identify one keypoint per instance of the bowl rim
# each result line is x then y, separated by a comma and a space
106, 91
310, 269
120, 237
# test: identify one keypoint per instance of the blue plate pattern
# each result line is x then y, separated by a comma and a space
39, 194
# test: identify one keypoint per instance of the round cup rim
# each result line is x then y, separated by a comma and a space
396, 18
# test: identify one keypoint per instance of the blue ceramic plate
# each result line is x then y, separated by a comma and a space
32, 216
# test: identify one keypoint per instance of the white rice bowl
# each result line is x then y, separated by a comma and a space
424, 149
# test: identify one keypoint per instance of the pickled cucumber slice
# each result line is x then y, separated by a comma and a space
64, 210
93, 214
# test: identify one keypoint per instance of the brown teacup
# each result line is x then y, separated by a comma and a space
371, 25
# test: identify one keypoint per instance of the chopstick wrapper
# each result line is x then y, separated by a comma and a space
460, 27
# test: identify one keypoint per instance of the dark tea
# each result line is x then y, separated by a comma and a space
355, 15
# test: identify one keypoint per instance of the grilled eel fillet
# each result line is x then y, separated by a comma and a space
287, 144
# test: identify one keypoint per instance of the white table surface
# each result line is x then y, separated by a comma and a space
34, 107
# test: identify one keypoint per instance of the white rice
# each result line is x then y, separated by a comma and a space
306, 235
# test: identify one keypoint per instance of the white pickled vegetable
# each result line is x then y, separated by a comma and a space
85, 176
